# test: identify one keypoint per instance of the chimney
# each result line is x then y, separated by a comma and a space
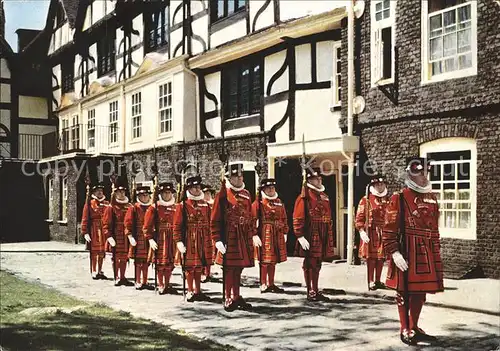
24, 37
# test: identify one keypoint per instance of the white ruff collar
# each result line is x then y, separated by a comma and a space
195, 198
124, 201
376, 193
265, 196
309, 185
419, 189
144, 203
166, 203
232, 187
99, 199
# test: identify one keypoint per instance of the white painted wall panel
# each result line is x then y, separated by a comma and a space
232, 32
324, 60
5, 93
5, 118
213, 85
32, 107
312, 113
56, 75
272, 65
137, 25
137, 58
273, 113
179, 15
198, 5
57, 97
200, 28
290, 9
265, 19
303, 63
189, 115
213, 126
175, 39
4, 69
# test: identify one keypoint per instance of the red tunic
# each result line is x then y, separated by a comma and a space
240, 228
98, 240
198, 242
114, 218
319, 233
140, 251
164, 239
274, 227
425, 272
375, 209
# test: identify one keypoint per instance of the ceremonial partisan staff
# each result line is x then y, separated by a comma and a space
112, 202
402, 249
133, 199
181, 190
259, 218
222, 210
89, 216
154, 170
303, 195
367, 223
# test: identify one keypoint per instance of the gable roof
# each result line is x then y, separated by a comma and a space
71, 9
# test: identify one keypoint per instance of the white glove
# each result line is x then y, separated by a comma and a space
153, 244
286, 237
111, 241
220, 247
132, 240
364, 236
399, 261
87, 238
256, 241
181, 247
304, 243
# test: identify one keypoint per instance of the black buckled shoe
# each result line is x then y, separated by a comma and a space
420, 335
101, 276
276, 290
379, 285
190, 297
148, 287
243, 305
230, 305
408, 337
321, 297
126, 282
203, 297
171, 291
312, 296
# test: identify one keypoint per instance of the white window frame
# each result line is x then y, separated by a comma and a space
64, 197
50, 196
458, 144
376, 47
136, 116
91, 128
75, 132
336, 76
426, 70
163, 108
113, 122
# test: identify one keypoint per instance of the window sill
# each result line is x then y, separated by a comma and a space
228, 20
65, 222
383, 82
239, 118
335, 108
457, 234
114, 146
106, 74
164, 136
51, 221
136, 141
451, 75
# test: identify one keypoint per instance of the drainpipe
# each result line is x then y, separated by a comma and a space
350, 98
123, 115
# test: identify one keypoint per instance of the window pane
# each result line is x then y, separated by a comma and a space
220, 8
464, 219
463, 171
378, 16
378, 6
450, 65
449, 172
255, 103
435, 23
465, 61
450, 219
387, 13
449, 18
245, 90
464, 40
387, 4
233, 92
230, 6
436, 48
450, 44
464, 13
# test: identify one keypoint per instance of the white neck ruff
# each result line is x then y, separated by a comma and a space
124, 201
267, 197
232, 187
419, 189
166, 203
310, 186
193, 197
99, 199
376, 193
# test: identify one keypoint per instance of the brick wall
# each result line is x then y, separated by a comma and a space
391, 129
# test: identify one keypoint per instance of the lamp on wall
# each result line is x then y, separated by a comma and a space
359, 7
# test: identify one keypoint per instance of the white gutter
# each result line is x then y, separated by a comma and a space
350, 98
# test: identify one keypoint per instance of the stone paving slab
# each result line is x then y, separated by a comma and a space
278, 322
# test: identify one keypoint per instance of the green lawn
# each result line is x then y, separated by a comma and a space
94, 327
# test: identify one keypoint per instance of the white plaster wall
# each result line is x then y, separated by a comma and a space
265, 19
175, 39
57, 96
272, 65
273, 113
313, 116
137, 58
4, 69
303, 63
32, 107
5, 118
213, 85
324, 61
200, 28
232, 32
189, 116
138, 25
197, 6
179, 15
290, 9
213, 126
93, 54
5, 93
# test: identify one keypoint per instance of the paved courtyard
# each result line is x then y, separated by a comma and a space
465, 317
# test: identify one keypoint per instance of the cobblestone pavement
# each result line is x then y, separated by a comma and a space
354, 321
